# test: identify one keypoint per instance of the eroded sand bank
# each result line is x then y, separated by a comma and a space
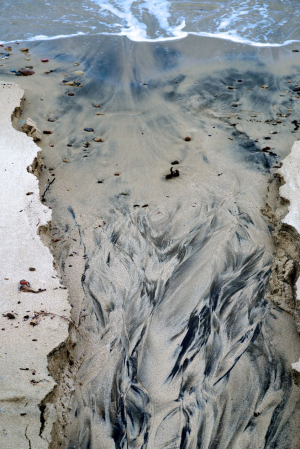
179, 345
27, 335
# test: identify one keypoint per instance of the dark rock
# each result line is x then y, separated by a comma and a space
10, 316
89, 130
45, 60
187, 139
174, 162
70, 94
26, 72
47, 132
296, 89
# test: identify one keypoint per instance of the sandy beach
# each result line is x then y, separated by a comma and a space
180, 340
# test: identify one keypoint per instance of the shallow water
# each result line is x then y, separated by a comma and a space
256, 22
178, 345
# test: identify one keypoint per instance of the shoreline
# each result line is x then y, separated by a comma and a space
148, 98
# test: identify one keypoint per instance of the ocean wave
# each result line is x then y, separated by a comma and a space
251, 22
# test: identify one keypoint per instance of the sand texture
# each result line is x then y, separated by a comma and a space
179, 345
27, 336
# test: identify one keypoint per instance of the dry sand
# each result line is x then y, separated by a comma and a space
168, 279
27, 335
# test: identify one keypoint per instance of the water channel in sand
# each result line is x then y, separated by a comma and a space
178, 344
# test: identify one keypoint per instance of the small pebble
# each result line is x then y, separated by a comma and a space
26, 72
45, 60
187, 139
47, 132
70, 94
98, 139
89, 130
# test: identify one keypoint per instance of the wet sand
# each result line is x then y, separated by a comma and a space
181, 343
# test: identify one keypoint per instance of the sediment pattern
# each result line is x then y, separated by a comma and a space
177, 344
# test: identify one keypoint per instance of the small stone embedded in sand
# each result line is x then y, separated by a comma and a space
31, 129
31, 269
66, 160
24, 50
187, 139
76, 64
265, 87
295, 51
10, 316
71, 83
26, 72
51, 119
96, 105
45, 60
231, 87
89, 130
29, 193
174, 162
296, 89
99, 139
70, 94
8, 49
79, 73
47, 132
